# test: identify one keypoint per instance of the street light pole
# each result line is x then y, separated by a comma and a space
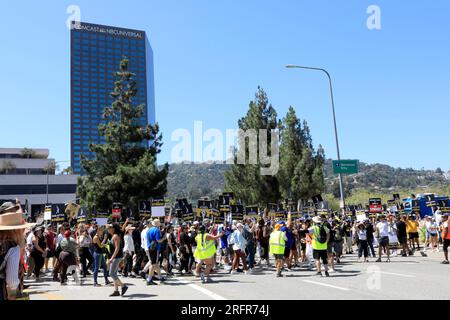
341, 188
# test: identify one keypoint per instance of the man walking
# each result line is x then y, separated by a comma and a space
277, 242
320, 236
382, 232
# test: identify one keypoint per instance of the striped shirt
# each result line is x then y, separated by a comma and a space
10, 267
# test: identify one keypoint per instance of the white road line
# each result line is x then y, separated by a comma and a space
209, 293
397, 274
326, 285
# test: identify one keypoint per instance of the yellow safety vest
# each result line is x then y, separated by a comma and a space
316, 244
205, 249
276, 243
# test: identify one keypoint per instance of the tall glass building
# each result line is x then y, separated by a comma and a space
96, 51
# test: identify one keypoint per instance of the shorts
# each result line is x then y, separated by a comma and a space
153, 256
113, 268
337, 247
413, 235
294, 245
384, 241
446, 244
321, 254
303, 246
431, 235
402, 240
279, 256
287, 252
225, 252
51, 254
330, 248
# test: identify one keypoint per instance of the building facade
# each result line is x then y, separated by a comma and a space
23, 175
96, 51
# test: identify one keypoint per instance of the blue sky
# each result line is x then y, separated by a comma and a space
391, 85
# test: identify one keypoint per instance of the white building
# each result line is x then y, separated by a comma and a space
23, 175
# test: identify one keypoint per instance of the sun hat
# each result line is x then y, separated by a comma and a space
13, 220
156, 223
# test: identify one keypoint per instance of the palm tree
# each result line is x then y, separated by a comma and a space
28, 153
8, 166
51, 168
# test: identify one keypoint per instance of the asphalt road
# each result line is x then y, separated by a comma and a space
414, 277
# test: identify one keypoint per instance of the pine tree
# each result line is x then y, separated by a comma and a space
245, 180
124, 168
301, 168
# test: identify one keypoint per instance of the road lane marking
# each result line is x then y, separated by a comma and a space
397, 274
209, 293
327, 285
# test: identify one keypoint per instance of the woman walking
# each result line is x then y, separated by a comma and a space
12, 245
99, 255
84, 241
363, 247
239, 245
204, 252
38, 252
116, 251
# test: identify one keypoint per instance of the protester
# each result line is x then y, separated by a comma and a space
263, 235
445, 236
116, 251
370, 236
361, 240
128, 251
50, 240
412, 225
320, 236
84, 241
224, 232
402, 236
154, 240
277, 247
12, 246
239, 244
382, 232
69, 256
38, 252
431, 234
205, 251
248, 233
99, 242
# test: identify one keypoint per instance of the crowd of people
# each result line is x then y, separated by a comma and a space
156, 251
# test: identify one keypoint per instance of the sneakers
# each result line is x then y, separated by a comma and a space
318, 273
445, 262
202, 276
97, 285
124, 290
378, 260
151, 283
115, 294
279, 275
327, 274
388, 260
207, 280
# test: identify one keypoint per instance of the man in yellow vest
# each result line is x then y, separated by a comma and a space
320, 236
277, 243
205, 252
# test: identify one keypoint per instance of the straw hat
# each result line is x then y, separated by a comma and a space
13, 221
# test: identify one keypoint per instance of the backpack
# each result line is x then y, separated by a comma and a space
322, 238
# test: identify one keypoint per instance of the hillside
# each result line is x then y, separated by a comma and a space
200, 179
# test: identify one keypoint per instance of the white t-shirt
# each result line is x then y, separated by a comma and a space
30, 241
362, 234
438, 217
144, 239
128, 243
383, 228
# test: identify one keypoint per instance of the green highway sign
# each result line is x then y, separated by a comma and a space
345, 166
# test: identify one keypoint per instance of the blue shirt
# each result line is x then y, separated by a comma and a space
153, 234
289, 236
224, 238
